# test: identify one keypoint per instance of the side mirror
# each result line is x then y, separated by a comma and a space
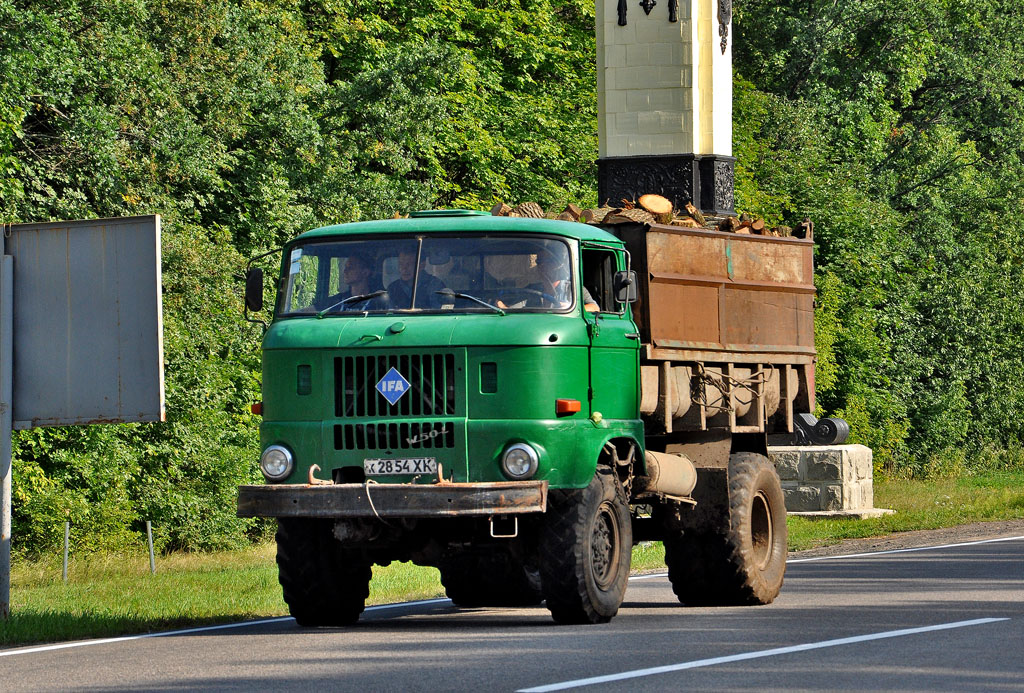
624, 286
254, 288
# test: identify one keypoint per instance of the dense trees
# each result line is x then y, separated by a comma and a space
896, 125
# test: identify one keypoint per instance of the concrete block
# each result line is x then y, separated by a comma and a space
615, 101
639, 145
668, 54
665, 99
638, 55
626, 123
787, 464
867, 496
832, 497
616, 56
823, 464
666, 143
802, 498
637, 100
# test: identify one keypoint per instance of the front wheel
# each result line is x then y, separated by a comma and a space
323, 583
742, 561
585, 549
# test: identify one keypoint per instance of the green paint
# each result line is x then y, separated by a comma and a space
728, 261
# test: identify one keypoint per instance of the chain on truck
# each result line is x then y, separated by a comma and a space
517, 402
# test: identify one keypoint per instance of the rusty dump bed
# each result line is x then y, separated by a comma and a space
723, 314
709, 295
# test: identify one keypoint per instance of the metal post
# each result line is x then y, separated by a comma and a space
67, 540
6, 392
149, 536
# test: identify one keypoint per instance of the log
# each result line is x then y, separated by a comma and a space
731, 224
660, 207
573, 210
500, 210
805, 229
566, 216
696, 214
757, 226
686, 222
630, 216
531, 210
596, 216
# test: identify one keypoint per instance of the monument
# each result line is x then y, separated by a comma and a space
664, 83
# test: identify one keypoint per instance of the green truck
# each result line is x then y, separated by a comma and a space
517, 402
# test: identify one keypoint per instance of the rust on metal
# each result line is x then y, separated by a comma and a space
393, 500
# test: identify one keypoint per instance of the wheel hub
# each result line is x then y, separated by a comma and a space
604, 547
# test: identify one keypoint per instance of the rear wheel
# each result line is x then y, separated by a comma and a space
323, 583
742, 562
491, 579
585, 550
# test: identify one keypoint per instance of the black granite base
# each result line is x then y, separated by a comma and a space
706, 180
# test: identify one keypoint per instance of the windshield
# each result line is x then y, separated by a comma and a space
465, 274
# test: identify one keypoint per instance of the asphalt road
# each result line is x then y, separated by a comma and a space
946, 619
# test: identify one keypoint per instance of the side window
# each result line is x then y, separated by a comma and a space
304, 285
598, 269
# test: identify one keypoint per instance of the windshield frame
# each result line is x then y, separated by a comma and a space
284, 287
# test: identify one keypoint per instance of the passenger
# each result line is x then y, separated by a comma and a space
358, 275
400, 290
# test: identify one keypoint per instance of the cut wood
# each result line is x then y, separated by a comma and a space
566, 216
686, 222
729, 224
500, 210
596, 216
660, 207
696, 214
573, 210
630, 216
528, 209
757, 226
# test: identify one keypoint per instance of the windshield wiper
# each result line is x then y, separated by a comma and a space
352, 299
456, 294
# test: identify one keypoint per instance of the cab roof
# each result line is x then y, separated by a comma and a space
440, 221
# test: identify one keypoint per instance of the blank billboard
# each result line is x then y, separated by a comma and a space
88, 329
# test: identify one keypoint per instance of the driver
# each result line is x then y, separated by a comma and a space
555, 284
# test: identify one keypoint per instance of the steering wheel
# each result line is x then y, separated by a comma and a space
512, 296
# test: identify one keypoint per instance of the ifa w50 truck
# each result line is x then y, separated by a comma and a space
517, 402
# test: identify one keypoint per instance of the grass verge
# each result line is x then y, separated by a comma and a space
116, 595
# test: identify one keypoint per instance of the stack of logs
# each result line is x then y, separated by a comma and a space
655, 209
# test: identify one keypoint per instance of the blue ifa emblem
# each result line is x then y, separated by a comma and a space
392, 386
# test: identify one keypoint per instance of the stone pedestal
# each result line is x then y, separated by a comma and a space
826, 480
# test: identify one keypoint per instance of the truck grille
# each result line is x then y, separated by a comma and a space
394, 436
431, 378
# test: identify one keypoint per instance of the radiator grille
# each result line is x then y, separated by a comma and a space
431, 393
415, 435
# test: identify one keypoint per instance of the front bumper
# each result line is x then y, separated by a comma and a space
393, 500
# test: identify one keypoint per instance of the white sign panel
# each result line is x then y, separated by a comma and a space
88, 329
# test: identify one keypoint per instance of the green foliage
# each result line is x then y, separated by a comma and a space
897, 127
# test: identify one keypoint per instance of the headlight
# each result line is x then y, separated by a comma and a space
276, 462
519, 461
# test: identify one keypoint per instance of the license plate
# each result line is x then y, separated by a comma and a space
409, 465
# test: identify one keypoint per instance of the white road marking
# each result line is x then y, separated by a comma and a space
103, 641
187, 631
637, 673
891, 551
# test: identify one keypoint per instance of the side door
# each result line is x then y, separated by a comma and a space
614, 338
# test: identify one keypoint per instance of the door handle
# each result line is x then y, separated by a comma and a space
632, 335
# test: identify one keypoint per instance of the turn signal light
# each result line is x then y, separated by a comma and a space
567, 406
257, 408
